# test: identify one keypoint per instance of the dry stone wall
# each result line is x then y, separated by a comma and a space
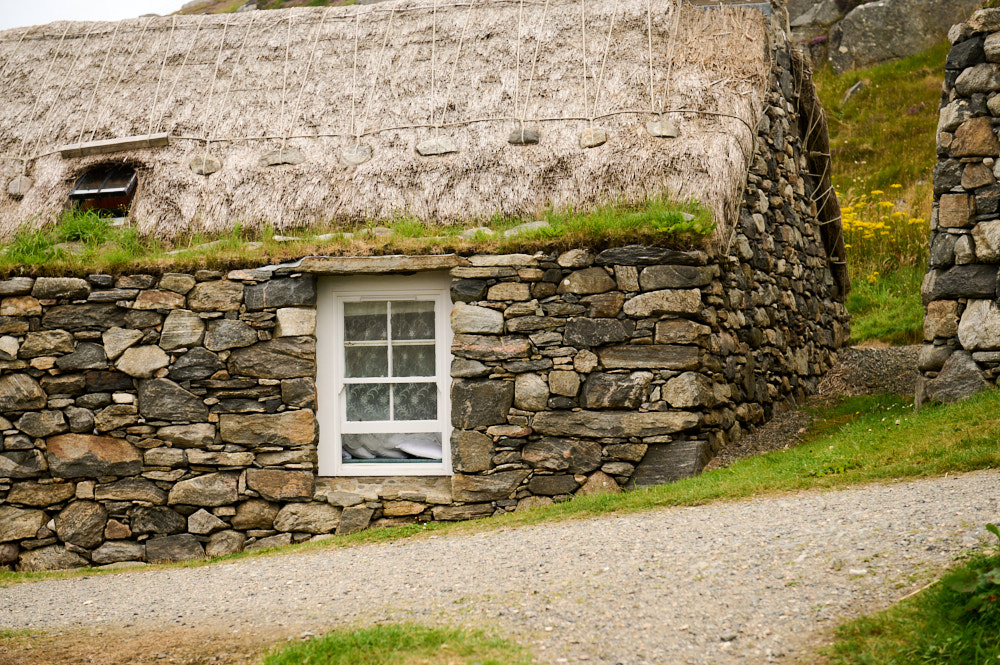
961, 351
154, 418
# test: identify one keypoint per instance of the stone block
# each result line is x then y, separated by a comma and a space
85, 455
279, 540
295, 322
42, 424
484, 347
516, 291
598, 424
689, 390
53, 288
115, 416
976, 175
494, 487
531, 393
641, 255
20, 306
36, 494
984, 78
224, 543
212, 489
53, 557
979, 328
281, 358
162, 399
20, 523
216, 296
291, 292
195, 365
477, 320
142, 361
587, 281
585, 333
182, 547
155, 520
281, 485
82, 524
202, 523
177, 282
229, 334
560, 454
86, 356
941, 320
255, 514
468, 290
564, 382
154, 299
650, 356
659, 277
599, 483
469, 511
955, 211
667, 301
131, 489
959, 378
16, 464
289, 428
667, 462
116, 552
197, 435
975, 137
99, 316
967, 281
182, 329
354, 518
479, 403
471, 451
615, 391
46, 343
552, 485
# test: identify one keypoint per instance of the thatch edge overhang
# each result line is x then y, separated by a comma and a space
373, 265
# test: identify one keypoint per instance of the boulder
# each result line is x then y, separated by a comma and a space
224, 543
212, 489
308, 518
960, 377
82, 524
979, 328
281, 358
975, 137
666, 462
162, 399
182, 547
54, 557
85, 455
354, 518
289, 428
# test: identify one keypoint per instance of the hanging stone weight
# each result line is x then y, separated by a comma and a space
439, 145
355, 155
592, 137
279, 157
523, 136
662, 129
205, 164
19, 186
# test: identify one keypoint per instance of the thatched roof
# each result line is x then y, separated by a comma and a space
239, 86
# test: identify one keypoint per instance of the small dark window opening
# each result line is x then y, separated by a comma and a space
108, 190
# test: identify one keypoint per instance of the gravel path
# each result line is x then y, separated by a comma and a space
742, 582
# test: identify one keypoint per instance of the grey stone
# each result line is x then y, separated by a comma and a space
37, 494
493, 487
16, 464
53, 288
991, 47
592, 137
975, 138
64, 385
98, 316
530, 324
131, 489
587, 281
82, 524
182, 547
353, 155
299, 393
979, 328
118, 551
177, 282
987, 241
681, 331
615, 391
156, 299
225, 543
354, 518
182, 329
641, 255
667, 462
980, 79
16, 286
212, 489
576, 258
198, 457
19, 186
281, 293
484, 347
282, 358
469, 511
117, 340
204, 164
20, 523
41, 424
216, 296
290, 428
282, 157
523, 136
596, 424
87, 356
438, 145
942, 251
279, 540
202, 523
142, 361
54, 557
531, 393
308, 518
552, 485
138, 318
599, 483
170, 457
480, 403
85, 455
46, 343
517, 291
20, 306
229, 334
960, 377
971, 281
20, 392
966, 53
932, 357
195, 365
604, 305
479, 320
674, 277
668, 301
155, 520
115, 416
468, 290
295, 322
941, 320
564, 382
587, 333
471, 451
255, 514
559, 454
650, 356
281, 484
689, 390
468, 369
197, 435
162, 399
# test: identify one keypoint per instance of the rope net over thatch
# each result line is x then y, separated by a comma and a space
323, 86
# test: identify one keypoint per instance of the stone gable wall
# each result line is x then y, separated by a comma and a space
961, 351
154, 418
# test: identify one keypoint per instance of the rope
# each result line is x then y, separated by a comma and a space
670, 57
180, 71
159, 79
649, 41
517, 58
6, 64
354, 88
305, 79
604, 60
583, 31
97, 85
458, 55
433, 58
534, 60
121, 76
41, 91
378, 72
284, 76
232, 78
215, 75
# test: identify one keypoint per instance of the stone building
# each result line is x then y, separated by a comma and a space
961, 351
153, 417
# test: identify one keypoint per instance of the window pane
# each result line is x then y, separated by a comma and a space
368, 448
413, 320
414, 401
368, 402
366, 361
413, 360
364, 321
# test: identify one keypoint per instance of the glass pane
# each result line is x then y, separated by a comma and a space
90, 181
414, 401
364, 321
369, 401
366, 361
413, 360
413, 320
119, 180
368, 448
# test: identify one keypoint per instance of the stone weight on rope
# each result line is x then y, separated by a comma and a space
279, 157
355, 155
662, 129
523, 136
439, 145
592, 137
19, 186
205, 164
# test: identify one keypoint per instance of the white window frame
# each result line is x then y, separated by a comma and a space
332, 293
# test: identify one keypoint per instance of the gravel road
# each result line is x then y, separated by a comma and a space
742, 582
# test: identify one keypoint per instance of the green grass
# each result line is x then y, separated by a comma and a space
886, 307
930, 628
401, 644
860, 440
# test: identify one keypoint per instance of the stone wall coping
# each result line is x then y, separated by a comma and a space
355, 265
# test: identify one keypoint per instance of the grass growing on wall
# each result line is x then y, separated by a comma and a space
883, 142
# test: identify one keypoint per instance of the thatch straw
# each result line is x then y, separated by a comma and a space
241, 85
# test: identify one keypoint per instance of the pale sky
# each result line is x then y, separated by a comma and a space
16, 13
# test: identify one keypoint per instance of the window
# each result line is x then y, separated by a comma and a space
384, 356
108, 190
